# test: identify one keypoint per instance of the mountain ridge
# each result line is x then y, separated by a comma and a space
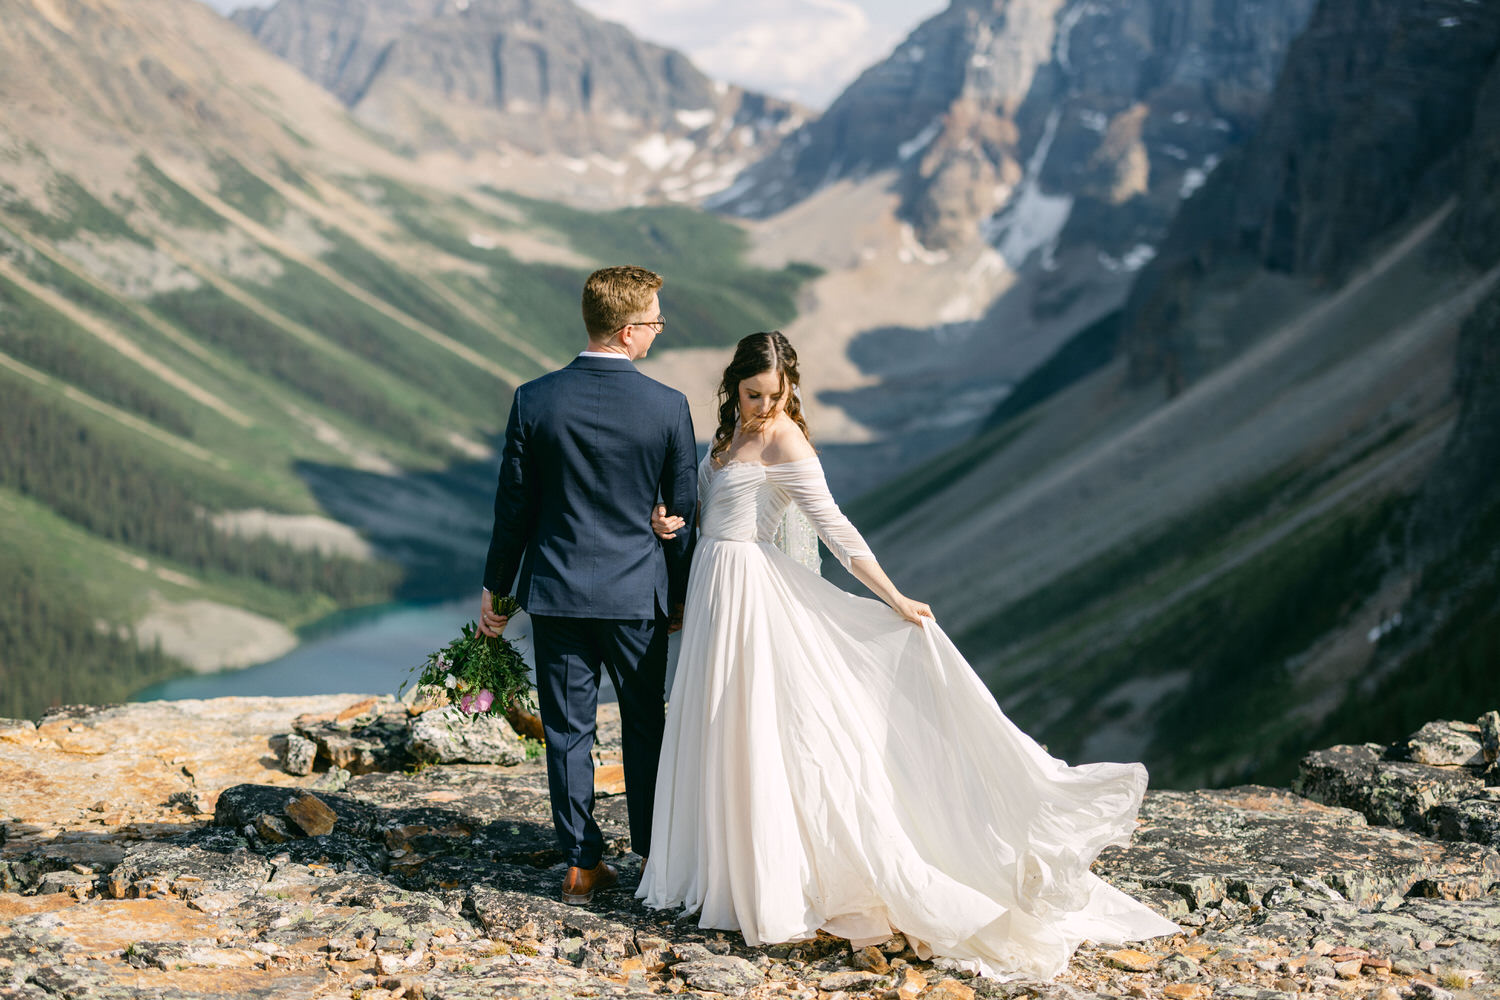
491, 80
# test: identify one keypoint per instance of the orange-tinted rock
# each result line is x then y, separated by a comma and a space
949, 989
1184, 991
1132, 960
912, 984
312, 815
609, 780
134, 758
365, 707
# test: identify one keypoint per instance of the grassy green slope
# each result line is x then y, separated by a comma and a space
136, 406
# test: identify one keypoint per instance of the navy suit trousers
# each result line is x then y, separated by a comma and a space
569, 654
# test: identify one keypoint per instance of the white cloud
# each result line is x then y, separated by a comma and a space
806, 50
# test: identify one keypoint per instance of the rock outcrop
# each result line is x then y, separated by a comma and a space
1442, 781
440, 882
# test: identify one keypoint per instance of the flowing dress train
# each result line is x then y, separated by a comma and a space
829, 765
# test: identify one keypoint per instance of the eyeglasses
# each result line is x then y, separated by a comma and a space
660, 322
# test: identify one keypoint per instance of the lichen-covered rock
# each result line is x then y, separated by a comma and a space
447, 736
855, 980
201, 862
1177, 967
1387, 792
545, 922
1489, 736
299, 755
239, 806
1242, 844
1476, 820
1446, 743
444, 882
375, 746
725, 974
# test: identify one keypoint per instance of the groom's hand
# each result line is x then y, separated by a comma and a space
665, 527
674, 620
490, 623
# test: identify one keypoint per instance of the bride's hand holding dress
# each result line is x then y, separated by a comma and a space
786, 444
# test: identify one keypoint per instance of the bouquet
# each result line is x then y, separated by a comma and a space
481, 674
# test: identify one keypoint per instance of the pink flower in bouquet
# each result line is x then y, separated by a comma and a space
472, 704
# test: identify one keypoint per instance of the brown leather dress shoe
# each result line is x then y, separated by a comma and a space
580, 884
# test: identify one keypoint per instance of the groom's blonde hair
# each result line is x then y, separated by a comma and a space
612, 295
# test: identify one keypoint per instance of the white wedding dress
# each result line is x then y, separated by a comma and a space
829, 765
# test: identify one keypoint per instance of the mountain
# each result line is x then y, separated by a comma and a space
1035, 119
227, 312
531, 79
1352, 146
1033, 154
1257, 506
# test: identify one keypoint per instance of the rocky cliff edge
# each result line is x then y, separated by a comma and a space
168, 850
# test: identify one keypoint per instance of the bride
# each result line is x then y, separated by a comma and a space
832, 762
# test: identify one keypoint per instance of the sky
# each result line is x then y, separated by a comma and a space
804, 50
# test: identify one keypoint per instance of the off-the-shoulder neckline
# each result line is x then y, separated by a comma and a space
761, 465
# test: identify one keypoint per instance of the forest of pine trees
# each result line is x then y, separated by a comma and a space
53, 649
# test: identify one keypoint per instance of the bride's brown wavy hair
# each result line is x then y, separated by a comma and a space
755, 355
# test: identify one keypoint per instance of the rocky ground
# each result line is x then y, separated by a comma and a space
164, 850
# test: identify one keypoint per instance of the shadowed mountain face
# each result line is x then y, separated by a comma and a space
537, 76
1385, 110
1258, 508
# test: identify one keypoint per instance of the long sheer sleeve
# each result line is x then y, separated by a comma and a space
804, 483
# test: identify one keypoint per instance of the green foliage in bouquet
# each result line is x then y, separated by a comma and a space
481, 674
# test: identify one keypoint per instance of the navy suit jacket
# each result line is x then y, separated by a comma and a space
589, 450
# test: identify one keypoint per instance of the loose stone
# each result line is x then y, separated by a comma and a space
1349, 969
1489, 736
871, 959
312, 814
1132, 960
847, 981
272, 829
1177, 967
299, 755
949, 989
1184, 991
720, 974
911, 986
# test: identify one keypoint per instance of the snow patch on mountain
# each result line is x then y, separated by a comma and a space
1034, 219
920, 141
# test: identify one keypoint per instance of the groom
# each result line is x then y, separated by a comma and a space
589, 451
